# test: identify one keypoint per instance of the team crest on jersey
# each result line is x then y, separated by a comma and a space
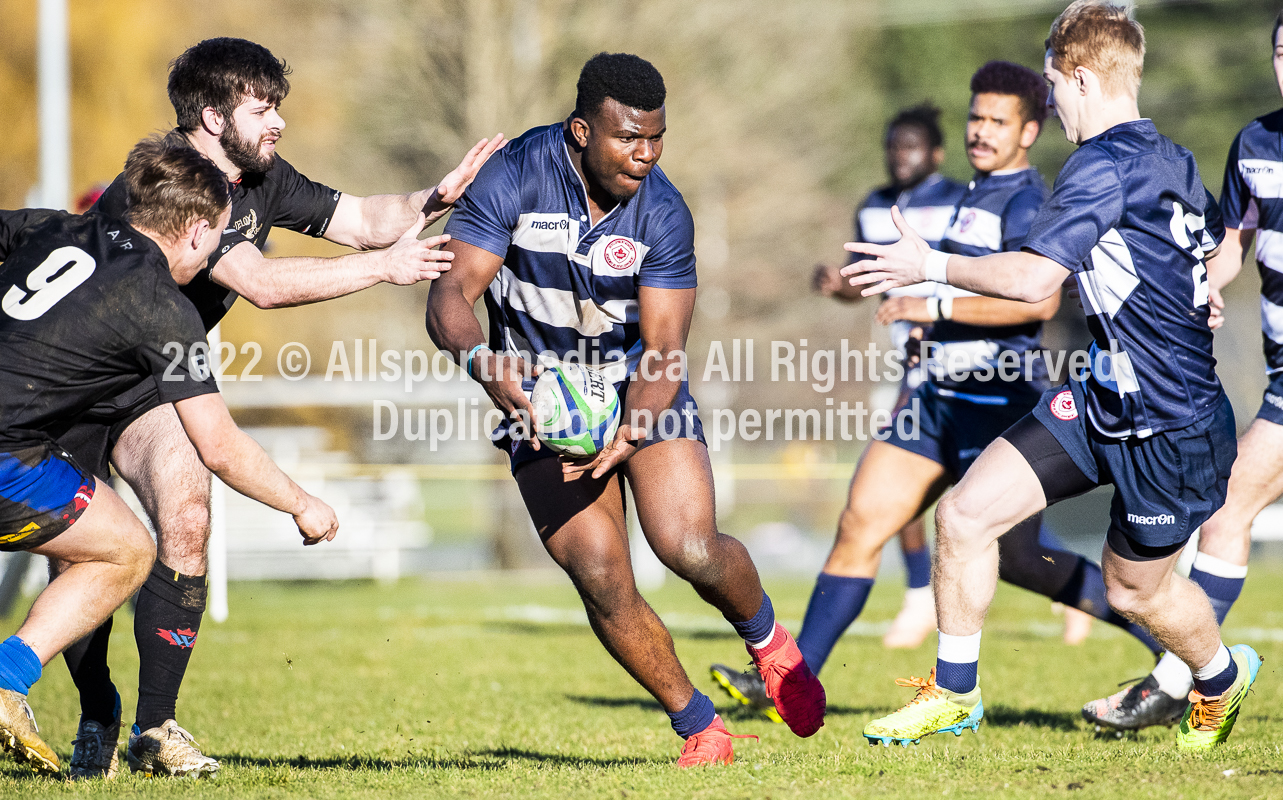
184, 637
248, 224
967, 221
1062, 405
620, 253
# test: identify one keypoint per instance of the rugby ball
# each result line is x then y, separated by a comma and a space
576, 409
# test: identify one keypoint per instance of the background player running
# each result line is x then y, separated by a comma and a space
580, 243
90, 306
226, 95
914, 149
1130, 218
960, 410
1251, 201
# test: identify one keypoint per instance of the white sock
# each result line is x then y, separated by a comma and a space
760, 645
959, 649
1219, 567
1219, 663
1173, 676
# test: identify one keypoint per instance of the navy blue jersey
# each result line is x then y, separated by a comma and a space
993, 216
1253, 199
567, 286
1129, 215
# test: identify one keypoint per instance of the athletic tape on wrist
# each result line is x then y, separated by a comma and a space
937, 266
933, 308
946, 308
471, 354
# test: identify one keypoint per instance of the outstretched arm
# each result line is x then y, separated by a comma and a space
988, 311
1021, 276
281, 282
233, 456
368, 223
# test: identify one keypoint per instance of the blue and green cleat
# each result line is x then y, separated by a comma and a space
1209, 720
932, 710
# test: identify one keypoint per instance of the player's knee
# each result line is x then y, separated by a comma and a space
1131, 601
137, 554
686, 555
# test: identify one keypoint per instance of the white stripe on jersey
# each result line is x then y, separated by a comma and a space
1269, 249
559, 307
977, 228
1264, 177
929, 222
546, 233
1272, 320
1112, 278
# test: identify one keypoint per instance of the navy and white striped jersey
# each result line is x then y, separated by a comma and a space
993, 216
567, 286
1129, 215
1252, 198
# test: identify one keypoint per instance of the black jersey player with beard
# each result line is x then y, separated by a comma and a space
90, 306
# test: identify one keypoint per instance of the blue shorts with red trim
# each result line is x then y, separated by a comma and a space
42, 494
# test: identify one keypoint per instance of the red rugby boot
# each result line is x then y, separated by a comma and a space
710, 746
796, 692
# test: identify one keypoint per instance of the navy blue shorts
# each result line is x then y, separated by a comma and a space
1165, 485
682, 423
1272, 404
953, 429
42, 494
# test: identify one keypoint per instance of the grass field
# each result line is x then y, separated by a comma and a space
497, 688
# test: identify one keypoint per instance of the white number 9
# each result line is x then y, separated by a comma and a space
55, 278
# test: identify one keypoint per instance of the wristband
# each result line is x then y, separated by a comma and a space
946, 308
933, 308
471, 354
936, 266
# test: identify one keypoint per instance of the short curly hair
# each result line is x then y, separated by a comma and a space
631, 81
924, 115
219, 73
1004, 77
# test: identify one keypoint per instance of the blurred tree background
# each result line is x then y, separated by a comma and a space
775, 112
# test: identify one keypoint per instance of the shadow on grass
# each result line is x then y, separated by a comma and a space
483, 760
1007, 717
644, 703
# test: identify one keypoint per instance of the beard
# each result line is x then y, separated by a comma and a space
245, 155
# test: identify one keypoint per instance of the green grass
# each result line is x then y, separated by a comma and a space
494, 689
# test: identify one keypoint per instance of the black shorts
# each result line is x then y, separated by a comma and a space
1165, 485
42, 494
951, 428
91, 440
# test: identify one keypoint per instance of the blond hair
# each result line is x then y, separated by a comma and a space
1105, 39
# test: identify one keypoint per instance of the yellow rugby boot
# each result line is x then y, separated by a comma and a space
1209, 720
932, 710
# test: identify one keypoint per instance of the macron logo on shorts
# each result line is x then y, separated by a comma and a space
1161, 519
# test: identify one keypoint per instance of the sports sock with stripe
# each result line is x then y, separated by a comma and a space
695, 717
19, 665
760, 630
1221, 580
1218, 676
166, 622
87, 662
917, 567
958, 662
835, 603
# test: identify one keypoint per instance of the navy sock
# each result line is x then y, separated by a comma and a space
695, 717
1220, 684
959, 678
835, 603
761, 627
917, 565
1086, 592
1222, 592
19, 665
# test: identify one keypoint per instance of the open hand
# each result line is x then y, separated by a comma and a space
411, 259
452, 186
895, 265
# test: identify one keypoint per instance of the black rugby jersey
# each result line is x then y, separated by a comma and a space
281, 197
88, 310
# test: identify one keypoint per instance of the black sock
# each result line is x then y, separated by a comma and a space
87, 663
166, 622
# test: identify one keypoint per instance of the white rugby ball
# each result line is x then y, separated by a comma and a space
576, 409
